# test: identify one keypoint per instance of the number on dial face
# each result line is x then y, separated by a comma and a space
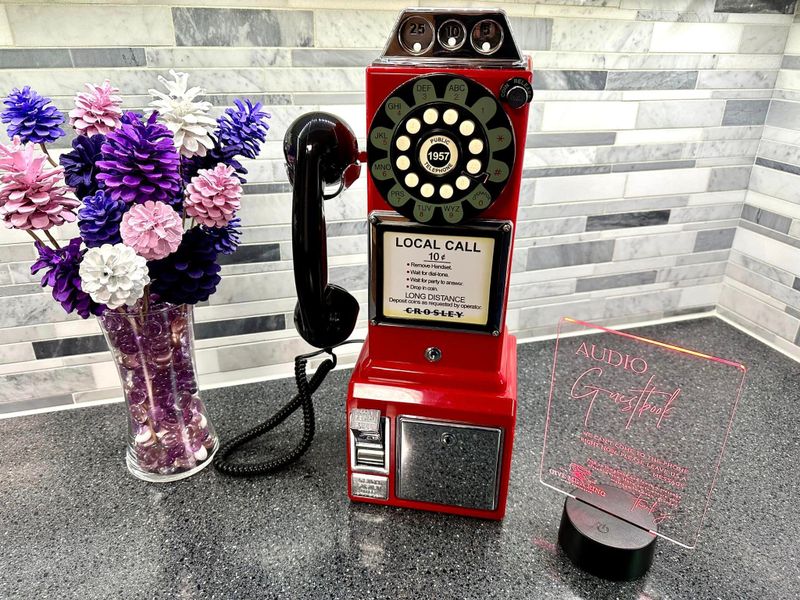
450, 148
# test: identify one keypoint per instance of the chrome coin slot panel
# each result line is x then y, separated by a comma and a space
369, 441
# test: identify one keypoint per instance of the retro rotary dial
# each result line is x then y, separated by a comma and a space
441, 149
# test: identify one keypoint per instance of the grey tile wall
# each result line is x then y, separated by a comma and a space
640, 197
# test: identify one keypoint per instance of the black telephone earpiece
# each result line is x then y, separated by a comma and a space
320, 150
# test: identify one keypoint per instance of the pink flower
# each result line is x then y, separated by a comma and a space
31, 195
96, 111
213, 196
153, 229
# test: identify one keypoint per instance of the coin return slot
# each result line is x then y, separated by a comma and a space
369, 441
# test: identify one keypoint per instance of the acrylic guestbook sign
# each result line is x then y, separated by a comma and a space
642, 416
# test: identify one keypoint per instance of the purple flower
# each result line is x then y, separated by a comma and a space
80, 165
140, 163
243, 128
225, 240
188, 275
218, 154
31, 117
99, 219
62, 275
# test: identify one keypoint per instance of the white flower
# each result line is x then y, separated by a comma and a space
113, 275
186, 119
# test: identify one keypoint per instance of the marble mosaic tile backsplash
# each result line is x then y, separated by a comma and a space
660, 176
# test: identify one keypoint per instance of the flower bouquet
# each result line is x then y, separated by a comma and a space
155, 199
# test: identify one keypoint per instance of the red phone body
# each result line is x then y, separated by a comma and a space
442, 420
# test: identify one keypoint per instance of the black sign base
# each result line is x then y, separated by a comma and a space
605, 545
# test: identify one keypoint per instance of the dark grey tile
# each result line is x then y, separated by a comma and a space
35, 403
558, 140
790, 62
266, 188
766, 218
796, 284
228, 327
108, 57
564, 255
242, 27
651, 80
745, 112
606, 282
797, 337
532, 34
729, 178
715, 239
653, 166
569, 80
564, 171
785, 7
625, 220
35, 58
778, 166
69, 346
791, 310
253, 253
333, 57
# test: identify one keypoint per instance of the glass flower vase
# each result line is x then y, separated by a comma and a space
169, 434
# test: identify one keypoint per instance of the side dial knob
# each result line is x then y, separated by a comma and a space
516, 92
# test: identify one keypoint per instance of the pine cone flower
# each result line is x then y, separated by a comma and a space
32, 196
62, 275
96, 111
80, 164
243, 128
99, 219
188, 275
186, 119
31, 117
113, 275
140, 163
191, 166
225, 240
153, 229
213, 196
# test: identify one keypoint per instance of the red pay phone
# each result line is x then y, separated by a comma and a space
432, 401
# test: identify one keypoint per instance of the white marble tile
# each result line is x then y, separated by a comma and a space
743, 300
696, 37
217, 58
773, 204
775, 183
676, 113
353, 29
700, 295
672, 181
787, 153
579, 188
750, 61
763, 39
642, 246
19, 352
561, 156
45, 382
81, 25
793, 41
767, 250
659, 136
5, 29
604, 11
736, 79
587, 35
788, 79
589, 116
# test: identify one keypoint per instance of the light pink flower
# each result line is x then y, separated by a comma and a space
213, 196
32, 196
153, 229
96, 111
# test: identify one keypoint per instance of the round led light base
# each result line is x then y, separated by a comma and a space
602, 544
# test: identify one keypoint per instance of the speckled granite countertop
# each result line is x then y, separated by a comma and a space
74, 524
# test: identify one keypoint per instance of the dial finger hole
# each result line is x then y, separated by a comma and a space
475, 146
450, 116
446, 191
426, 190
466, 128
403, 143
413, 126
403, 163
411, 180
462, 182
474, 166
430, 116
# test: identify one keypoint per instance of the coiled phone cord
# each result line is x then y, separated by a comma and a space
303, 399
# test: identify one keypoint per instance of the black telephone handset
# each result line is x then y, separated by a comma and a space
320, 150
